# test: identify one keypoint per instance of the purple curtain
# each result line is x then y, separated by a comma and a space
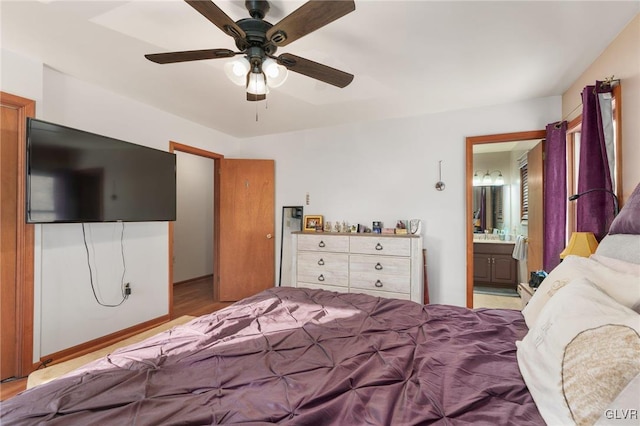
555, 193
595, 210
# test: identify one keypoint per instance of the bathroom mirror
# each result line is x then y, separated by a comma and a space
291, 222
488, 208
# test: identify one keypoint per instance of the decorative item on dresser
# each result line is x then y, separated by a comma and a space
377, 264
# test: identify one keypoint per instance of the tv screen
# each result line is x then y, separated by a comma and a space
77, 176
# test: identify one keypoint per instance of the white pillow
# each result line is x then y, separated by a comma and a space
617, 264
625, 288
620, 246
582, 352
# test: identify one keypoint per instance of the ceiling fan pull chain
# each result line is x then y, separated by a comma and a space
256, 112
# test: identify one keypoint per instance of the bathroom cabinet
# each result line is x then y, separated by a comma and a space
494, 265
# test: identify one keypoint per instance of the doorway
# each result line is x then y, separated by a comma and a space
17, 243
486, 144
192, 248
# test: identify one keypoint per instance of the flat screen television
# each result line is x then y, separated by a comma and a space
77, 176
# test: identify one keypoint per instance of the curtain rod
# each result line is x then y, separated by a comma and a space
607, 82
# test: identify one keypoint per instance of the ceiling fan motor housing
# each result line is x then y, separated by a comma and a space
256, 35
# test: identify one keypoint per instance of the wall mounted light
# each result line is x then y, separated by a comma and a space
486, 179
616, 207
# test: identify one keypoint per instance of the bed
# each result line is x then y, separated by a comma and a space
314, 357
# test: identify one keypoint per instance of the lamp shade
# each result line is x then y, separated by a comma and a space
476, 179
256, 84
237, 70
276, 74
581, 244
486, 179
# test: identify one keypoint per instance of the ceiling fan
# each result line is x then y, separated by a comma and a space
258, 40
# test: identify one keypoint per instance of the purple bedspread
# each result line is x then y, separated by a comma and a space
302, 357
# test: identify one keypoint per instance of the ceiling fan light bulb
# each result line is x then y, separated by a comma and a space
279, 78
270, 68
256, 84
237, 70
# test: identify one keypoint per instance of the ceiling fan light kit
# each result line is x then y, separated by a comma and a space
257, 40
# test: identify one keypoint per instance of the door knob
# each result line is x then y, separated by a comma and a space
269, 236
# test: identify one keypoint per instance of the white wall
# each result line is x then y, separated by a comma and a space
622, 60
387, 170
66, 313
193, 229
362, 172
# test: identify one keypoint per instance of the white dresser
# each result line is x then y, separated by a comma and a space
376, 264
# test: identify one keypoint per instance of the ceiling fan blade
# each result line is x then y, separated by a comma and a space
308, 18
315, 70
189, 55
213, 13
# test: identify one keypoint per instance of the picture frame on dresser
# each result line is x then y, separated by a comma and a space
312, 223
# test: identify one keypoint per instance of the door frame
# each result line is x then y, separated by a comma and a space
176, 146
470, 142
25, 244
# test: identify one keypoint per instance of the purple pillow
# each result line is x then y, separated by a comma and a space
628, 220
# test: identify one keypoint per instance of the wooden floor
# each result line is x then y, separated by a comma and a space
189, 298
195, 298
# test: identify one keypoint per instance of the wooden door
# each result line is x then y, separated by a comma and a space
535, 165
16, 242
245, 242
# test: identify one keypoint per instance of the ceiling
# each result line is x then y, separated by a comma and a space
408, 57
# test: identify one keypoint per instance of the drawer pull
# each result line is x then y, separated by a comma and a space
378, 246
321, 262
378, 284
321, 244
378, 267
321, 277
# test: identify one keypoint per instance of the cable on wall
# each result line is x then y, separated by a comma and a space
124, 269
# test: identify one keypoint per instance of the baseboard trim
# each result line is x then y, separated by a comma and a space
191, 280
93, 345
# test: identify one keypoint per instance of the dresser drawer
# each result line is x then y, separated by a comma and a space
380, 265
380, 273
389, 246
338, 289
323, 268
335, 243
403, 296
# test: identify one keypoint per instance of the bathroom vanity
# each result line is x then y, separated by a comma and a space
494, 265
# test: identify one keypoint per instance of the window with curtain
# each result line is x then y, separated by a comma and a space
574, 133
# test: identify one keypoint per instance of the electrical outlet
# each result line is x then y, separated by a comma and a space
127, 289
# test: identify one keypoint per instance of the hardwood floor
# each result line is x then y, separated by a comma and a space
14, 387
195, 297
189, 298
